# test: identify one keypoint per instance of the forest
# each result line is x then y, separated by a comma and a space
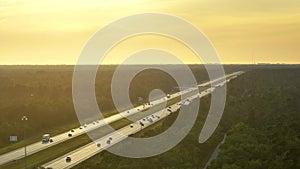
261, 121
44, 94
269, 136
261, 117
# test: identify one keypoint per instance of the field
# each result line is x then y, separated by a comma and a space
44, 95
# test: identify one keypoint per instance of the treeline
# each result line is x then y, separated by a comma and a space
252, 100
44, 95
269, 135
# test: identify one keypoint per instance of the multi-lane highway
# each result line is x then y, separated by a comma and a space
38, 146
89, 150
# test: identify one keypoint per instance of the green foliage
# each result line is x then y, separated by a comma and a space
44, 95
261, 115
269, 137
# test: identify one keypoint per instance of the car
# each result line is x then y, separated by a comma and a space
131, 126
70, 135
110, 138
51, 140
142, 124
98, 145
80, 127
72, 130
68, 159
108, 141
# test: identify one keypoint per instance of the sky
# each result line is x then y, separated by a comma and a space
55, 31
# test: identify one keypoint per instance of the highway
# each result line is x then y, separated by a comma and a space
83, 153
93, 148
38, 146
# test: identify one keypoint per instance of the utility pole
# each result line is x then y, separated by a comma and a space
24, 118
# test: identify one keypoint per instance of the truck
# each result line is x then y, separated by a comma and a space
46, 138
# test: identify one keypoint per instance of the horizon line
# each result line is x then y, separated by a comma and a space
149, 64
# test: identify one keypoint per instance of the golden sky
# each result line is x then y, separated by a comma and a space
55, 31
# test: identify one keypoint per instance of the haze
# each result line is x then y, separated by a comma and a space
55, 31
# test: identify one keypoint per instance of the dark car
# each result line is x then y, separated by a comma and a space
70, 135
150, 120
68, 159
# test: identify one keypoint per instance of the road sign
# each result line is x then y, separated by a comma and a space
13, 138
